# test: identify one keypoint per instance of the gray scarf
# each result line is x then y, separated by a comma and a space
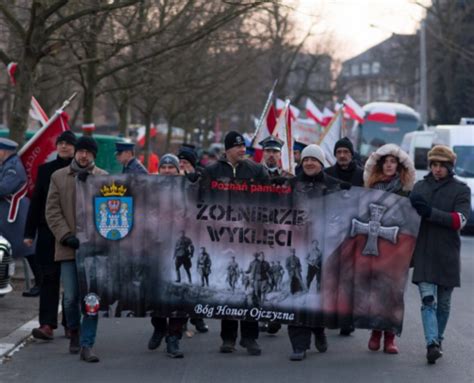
79, 170
392, 186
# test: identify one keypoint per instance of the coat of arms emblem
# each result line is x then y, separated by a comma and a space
113, 212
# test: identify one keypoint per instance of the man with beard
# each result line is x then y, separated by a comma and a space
272, 157
293, 267
183, 252
232, 273
234, 165
314, 260
36, 225
346, 168
61, 219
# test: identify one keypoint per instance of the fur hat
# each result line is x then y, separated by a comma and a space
441, 153
314, 151
395, 151
87, 143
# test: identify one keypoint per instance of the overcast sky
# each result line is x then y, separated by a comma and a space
349, 21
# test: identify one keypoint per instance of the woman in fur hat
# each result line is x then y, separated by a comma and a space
389, 169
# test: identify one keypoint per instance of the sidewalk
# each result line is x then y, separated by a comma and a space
15, 312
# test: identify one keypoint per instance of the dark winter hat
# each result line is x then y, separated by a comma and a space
87, 143
188, 154
344, 143
67, 136
232, 139
169, 159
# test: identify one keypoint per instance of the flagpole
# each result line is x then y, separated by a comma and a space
265, 109
48, 124
343, 124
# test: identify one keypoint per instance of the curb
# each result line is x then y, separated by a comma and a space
16, 338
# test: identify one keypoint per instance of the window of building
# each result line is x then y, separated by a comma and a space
365, 68
346, 72
375, 67
355, 69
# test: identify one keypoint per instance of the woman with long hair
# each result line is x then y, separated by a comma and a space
389, 169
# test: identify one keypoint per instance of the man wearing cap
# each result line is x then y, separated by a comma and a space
444, 204
187, 159
234, 165
315, 183
272, 157
169, 328
13, 201
297, 149
346, 168
61, 219
124, 153
36, 225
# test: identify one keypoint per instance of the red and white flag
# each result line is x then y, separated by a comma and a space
313, 112
327, 116
266, 129
141, 134
41, 146
382, 113
280, 106
36, 111
353, 109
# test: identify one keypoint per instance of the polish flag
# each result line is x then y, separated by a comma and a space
141, 134
313, 112
382, 113
327, 116
339, 106
354, 110
280, 106
266, 129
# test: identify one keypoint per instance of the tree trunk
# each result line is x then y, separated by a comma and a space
124, 115
18, 121
147, 145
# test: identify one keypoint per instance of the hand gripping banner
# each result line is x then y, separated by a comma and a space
160, 245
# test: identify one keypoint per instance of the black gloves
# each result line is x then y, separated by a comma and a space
420, 205
71, 241
83, 176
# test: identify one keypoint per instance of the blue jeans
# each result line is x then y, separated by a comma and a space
436, 304
72, 306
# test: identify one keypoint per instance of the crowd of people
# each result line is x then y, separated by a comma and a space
442, 202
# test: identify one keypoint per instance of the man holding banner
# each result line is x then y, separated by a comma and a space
235, 166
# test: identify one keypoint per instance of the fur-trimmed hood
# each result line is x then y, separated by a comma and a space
392, 150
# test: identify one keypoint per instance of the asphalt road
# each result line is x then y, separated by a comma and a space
122, 344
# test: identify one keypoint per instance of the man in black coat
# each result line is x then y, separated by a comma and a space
36, 225
234, 165
346, 168
444, 204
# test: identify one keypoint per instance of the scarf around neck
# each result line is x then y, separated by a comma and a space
76, 169
394, 185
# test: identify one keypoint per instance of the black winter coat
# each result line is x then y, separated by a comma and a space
36, 220
437, 252
317, 186
353, 174
245, 169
